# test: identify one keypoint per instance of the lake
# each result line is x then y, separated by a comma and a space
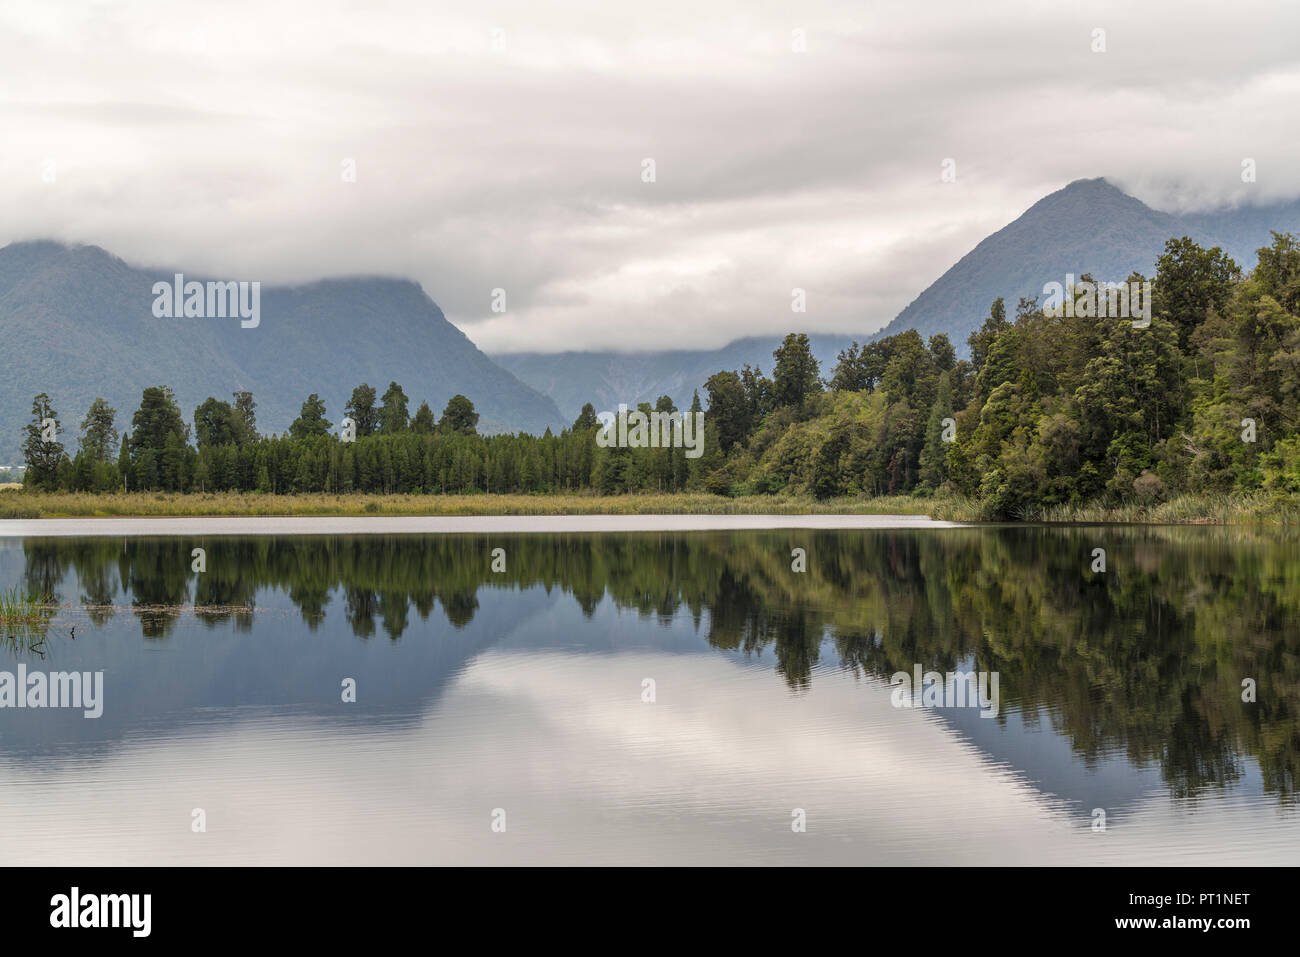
660, 697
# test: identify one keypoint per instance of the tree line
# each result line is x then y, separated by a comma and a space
875, 602
386, 450
1052, 407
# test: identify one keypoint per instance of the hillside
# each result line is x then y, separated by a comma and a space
1087, 226
608, 378
77, 322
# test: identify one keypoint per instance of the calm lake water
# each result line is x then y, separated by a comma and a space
524, 691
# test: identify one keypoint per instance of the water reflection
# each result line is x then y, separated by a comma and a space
1114, 685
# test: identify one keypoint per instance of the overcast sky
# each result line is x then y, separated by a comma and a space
212, 136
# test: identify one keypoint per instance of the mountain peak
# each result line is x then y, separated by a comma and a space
1093, 184
1089, 225
1097, 194
50, 248
79, 323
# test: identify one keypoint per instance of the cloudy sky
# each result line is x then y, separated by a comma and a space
502, 144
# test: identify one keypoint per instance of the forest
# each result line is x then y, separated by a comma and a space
1051, 408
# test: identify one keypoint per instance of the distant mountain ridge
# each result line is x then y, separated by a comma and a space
608, 378
1088, 226
77, 322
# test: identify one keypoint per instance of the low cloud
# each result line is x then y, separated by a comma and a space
501, 145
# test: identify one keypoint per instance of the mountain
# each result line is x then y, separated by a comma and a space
1243, 229
1088, 226
607, 378
77, 322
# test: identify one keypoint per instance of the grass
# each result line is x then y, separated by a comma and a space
1247, 509
1250, 509
24, 620
22, 607
14, 505
159, 504
1186, 510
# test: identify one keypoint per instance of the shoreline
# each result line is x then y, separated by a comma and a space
1255, 509
452, 525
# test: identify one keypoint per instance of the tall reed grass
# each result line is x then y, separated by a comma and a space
148, 504
1256, 508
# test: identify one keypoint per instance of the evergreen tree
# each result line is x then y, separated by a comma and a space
216, 423
393, 417
981, 341
423, 423
171, 463
244, 426
361, 410
201, 474
459, 417
124, 463
729, 409
42, 450
795, 375
158, 417
98, 435
1190, 281
758, 394
933, 468
311, 421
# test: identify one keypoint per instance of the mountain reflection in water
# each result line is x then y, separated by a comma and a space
524, 690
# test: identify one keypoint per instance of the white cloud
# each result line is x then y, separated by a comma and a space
212, 137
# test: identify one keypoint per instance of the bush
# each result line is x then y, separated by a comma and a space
1148, 487
14, 509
